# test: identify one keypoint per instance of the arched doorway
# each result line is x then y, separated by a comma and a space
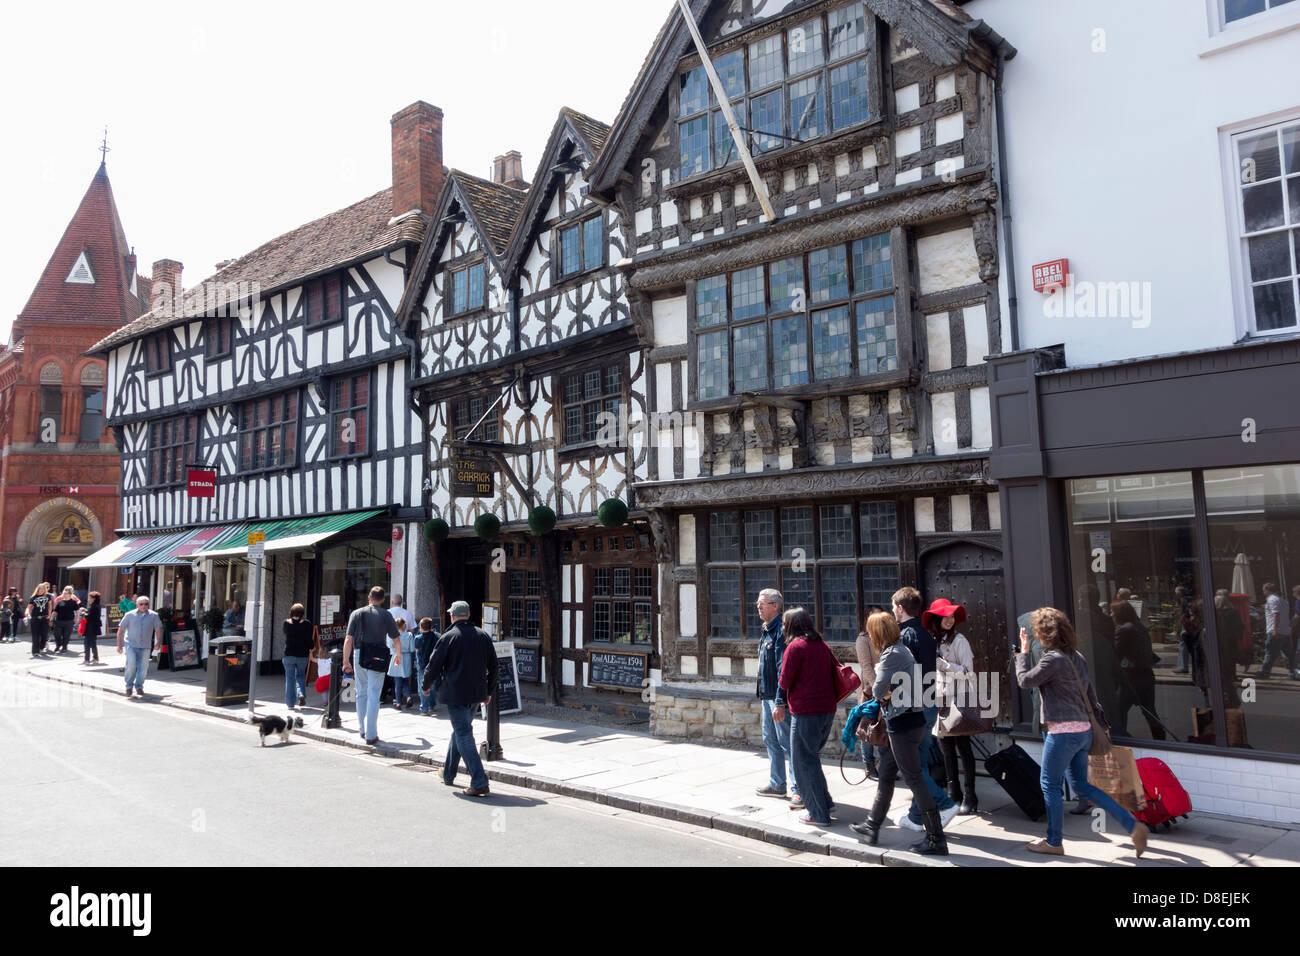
57, 534
970, 574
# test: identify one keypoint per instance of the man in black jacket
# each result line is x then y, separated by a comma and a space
465, 660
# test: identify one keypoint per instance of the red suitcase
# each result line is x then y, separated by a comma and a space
1166, 798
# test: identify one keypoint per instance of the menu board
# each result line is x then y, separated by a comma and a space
617, 670
528, 663
334, 634
184, 650
507, 683
114, 616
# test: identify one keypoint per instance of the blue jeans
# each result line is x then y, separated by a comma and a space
295, 680
369, 686
777, 738
1278, 645
462, 745
137, 665
400, 690
429, 701
1066, 755
941, 798
808, 733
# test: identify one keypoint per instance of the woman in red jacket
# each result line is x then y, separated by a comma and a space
807, 689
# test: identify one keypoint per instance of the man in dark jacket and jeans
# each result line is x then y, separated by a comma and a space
776, 735
907, 609
465, 660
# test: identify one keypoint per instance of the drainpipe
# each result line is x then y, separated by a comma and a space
980, 30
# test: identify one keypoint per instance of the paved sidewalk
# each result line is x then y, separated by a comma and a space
704, 785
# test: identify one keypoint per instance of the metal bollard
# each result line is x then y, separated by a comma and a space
491, 749
332, 720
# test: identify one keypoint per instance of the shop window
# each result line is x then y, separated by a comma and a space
822, 317
787, 88
348, 572
622, 604
591, 400
268, 432
350, 416
173, 446
1268, 210
525, 604
837, 560
325, 300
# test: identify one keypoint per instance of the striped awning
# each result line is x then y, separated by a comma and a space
191, 542
133, 550
285, 535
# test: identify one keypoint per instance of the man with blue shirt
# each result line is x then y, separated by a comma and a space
907, 609
141, 631
776, 732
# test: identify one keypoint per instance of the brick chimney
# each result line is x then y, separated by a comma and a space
417, 158
165, 289
508, 170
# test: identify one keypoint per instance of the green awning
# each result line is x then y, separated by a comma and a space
287, 535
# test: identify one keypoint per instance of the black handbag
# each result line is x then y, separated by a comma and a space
375, 657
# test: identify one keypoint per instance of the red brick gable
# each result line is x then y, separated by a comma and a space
96, 230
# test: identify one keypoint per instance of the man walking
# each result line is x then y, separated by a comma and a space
907, 609
1277, 628
141, 631
404, 618
776, 734
366, 657
465, 660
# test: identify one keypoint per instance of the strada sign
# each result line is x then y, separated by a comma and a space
202, 482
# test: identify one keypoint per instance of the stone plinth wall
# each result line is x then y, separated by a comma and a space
720, 717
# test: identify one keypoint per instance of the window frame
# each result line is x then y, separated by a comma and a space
814, 386
86, 392
361, 451
158, 457
49, 391
321, 283
1270, 6
743, 102
1247, 326
158, 353
448, 288
242, 429
779, 563
222, 344
455, 425
557, 246
604, 363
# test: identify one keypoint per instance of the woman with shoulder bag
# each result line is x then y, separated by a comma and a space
807, 687
956, 665
905, 721
1073, 717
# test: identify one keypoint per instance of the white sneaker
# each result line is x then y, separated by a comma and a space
945, 816
903, 821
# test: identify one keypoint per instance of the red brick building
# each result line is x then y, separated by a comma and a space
59, 496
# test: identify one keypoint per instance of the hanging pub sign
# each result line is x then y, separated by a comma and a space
471, 476
202, 482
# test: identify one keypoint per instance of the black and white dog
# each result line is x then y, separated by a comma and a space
269, 726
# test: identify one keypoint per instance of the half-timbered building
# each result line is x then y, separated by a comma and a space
284, 378
826, 362
531, 368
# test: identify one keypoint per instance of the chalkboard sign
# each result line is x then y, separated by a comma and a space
528, 663
334, 634
616, 670
184, 650
114, 617
507, 683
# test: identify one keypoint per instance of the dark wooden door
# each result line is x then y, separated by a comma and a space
971, 576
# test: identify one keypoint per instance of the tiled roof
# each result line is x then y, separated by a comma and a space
495, 206
356, 232
95, 230
592, 130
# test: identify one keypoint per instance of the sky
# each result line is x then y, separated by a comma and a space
230, 124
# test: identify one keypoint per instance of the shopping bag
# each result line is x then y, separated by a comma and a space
1116, 773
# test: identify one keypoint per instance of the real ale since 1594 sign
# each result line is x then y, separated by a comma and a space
471, 477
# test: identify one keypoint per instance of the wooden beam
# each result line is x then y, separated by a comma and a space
787, 403
509, 472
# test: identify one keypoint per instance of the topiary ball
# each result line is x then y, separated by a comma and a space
487, 526
613, 513
542, 520
436, 530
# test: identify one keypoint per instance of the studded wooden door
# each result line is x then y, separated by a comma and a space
971, 576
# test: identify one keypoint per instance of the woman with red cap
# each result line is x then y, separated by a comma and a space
956, 665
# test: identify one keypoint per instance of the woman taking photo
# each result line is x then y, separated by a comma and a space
91, 622
905, 721
807, 689
956, 668
1068, 703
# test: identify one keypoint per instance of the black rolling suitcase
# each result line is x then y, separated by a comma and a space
1018, 774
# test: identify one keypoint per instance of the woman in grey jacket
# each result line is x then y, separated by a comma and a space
1062, 679
905, 720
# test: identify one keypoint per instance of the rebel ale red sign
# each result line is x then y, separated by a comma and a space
203, 482
1051, 275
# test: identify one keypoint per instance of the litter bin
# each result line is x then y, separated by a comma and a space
228, 668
